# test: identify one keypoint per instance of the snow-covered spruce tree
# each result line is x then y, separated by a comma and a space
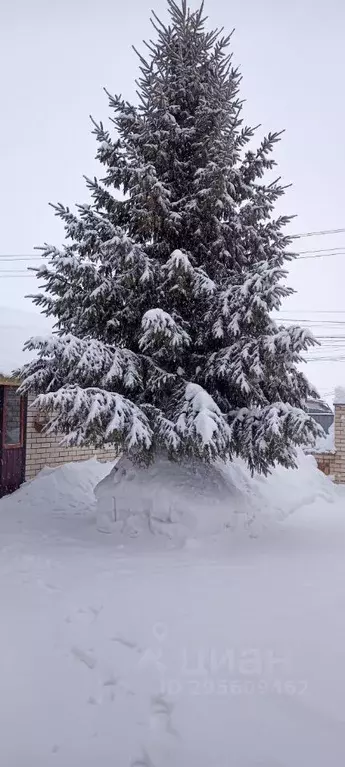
162, 295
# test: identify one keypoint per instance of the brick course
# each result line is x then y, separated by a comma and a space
45, 449
327, 463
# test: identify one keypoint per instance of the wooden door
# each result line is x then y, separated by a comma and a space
12, 439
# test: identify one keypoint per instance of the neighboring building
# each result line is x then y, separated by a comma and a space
24, 448
330, 452
321, 412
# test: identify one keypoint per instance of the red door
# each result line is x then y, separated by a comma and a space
12, 447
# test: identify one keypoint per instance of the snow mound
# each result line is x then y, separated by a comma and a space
64, 489
193, 500
177, 504
165, 498
286, 491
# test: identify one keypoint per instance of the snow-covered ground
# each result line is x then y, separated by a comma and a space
222, 647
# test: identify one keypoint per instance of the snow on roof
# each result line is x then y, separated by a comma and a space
16, 326
314, 405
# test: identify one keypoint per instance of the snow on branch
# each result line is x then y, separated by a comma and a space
178, 261
240, 305
161, 332
179, 267
165, 432
256, 356
68, 360
202, 425
97, 417
267, 435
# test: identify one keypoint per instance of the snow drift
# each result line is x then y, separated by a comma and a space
191, 499
64, 490
176, 502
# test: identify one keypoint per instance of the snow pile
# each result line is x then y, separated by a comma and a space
68, 488
180, 503
192, 500
285, 491
166, 498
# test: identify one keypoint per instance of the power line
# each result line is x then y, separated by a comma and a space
311, 322
303, 254
321, 255
30, 257
298, 257
20, 258
327, 359
321, 250
15, 274
318, 233
313, 311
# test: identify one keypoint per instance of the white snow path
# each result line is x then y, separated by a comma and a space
230, 655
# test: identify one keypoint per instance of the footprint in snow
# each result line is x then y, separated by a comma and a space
84, 657
126, 643
161, 711
143, 761
96, 612
48, 586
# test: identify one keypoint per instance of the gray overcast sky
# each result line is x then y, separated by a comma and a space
55, 56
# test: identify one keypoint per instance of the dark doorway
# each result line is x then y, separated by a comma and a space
12, 438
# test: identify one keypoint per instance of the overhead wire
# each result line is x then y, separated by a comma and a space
313, 311
328, 343
321, 250
302, 255
320, 255
318, 233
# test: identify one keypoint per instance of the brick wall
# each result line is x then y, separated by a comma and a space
339, 441
12, 416
333, 463
326, 463
45, 450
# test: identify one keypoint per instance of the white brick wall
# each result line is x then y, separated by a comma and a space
339, 440
334, 463
46, 450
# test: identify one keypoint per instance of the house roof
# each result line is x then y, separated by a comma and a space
314, 405
5, 381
